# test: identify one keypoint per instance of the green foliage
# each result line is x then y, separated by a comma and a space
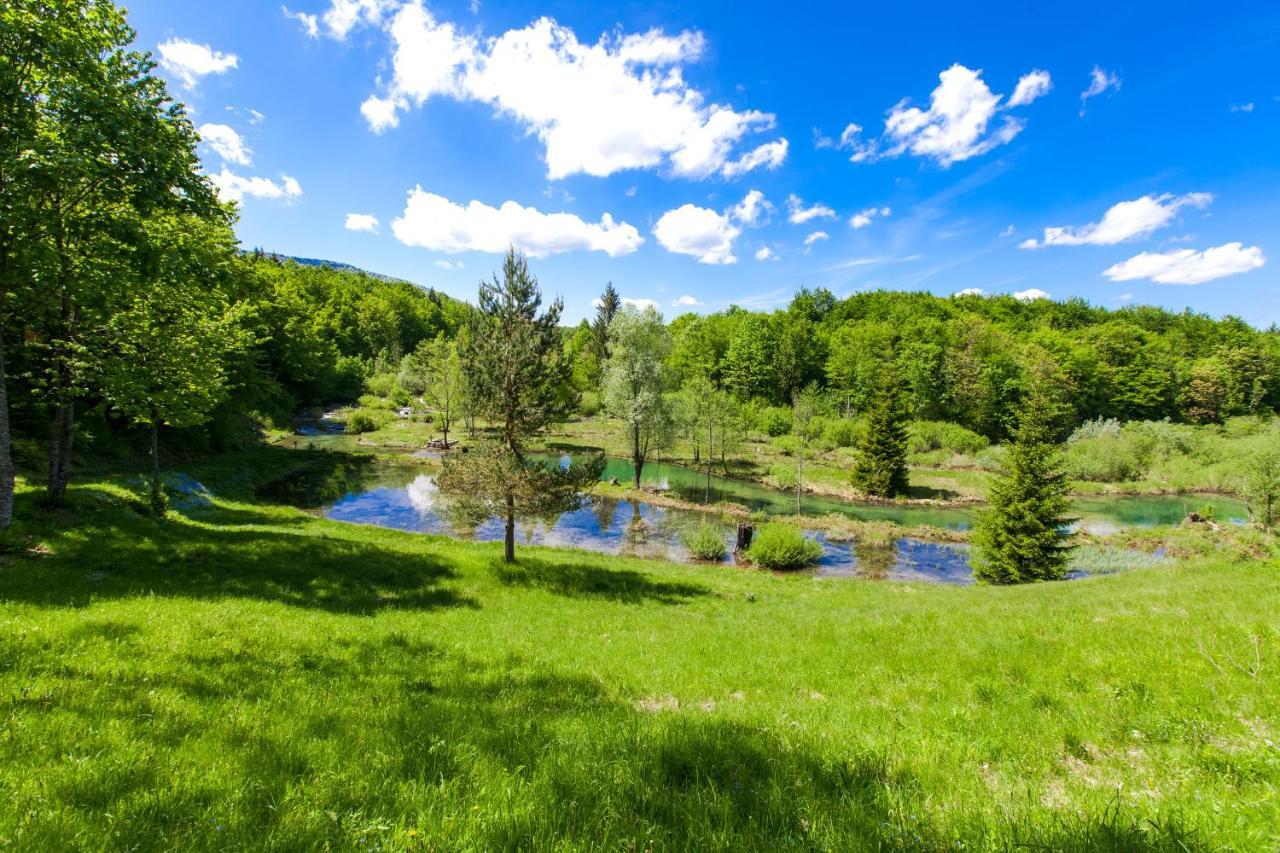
781, 546
881, 466
362, 421
842, 432
635, 382
774, 421
704, 541
1022, 537
1262, 487
929, 436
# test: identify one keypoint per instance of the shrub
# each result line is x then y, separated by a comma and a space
842, 432
361, 421
787, 445
783, 476
705, 542
774, 421
781, 546
589, 405
928, 436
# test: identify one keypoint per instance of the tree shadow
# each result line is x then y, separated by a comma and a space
104, 550
932, 493
576, 580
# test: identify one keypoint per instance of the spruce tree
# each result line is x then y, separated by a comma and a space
881, 467
1023, 534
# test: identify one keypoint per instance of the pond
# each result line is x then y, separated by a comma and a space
404, 498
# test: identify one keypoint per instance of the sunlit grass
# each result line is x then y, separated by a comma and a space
249, 676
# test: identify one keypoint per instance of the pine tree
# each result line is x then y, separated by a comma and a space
1023, 534
514, 368
881, 467
607, 307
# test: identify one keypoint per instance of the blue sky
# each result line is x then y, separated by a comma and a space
703, 154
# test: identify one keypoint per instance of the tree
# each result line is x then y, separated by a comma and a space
102, 147
514, 366
881, 465
433, 373
1262, 488
804, 407
1023, 534
606, 308
635, 382
165, 352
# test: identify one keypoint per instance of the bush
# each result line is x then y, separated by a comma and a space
705, 542
781, 546
842, 432
783, 476
361, 421
774, 421
787, 445
589, 404
928, 436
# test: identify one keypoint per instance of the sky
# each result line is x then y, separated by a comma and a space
703, 154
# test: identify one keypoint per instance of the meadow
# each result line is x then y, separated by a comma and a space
239, 674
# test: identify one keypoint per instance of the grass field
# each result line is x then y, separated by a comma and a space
248, 676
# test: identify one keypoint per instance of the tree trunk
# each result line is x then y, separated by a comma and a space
6, 455
64, 418
707, 498
637, 459
157, 494
509, 540
799, 480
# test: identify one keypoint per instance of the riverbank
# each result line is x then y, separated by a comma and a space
241, 674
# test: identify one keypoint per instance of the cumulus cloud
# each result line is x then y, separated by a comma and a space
754, 209
189, 61
1125, 221
226, 143
815, 237
1187, 266
310, 23
801, 214
764, 253
1242, 108
343, 16
434, 222
863, 218
686, 301
233, 187
621, 103
957, 125
1030, 295
640, 303
1099, 82
362, 222
698, 232
969, 291
1034, 85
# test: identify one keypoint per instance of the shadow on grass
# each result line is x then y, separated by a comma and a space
494, 755
103, 549
583, 581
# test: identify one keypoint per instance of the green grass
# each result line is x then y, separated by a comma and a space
249, 676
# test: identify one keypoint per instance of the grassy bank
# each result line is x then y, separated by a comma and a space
245, 675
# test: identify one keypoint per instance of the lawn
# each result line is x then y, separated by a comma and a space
248, 676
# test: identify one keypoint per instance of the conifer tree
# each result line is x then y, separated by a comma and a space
514, 367
881, 466
1023, 534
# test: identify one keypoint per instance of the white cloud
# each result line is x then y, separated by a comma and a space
864, 218
1099, 82
449, 265
699, 232
1242, 108
343, 16
362, 222
1034, 85
1008, 232
754, 209
233, 187
955, 127
764, 253
1125, 221
640, 303
969, 291
226, 143
256, 117
801, 214
189, 61
434, 222
815, 237
310, 23
618, 104
1187, 266
1030, 295
686, 301
769, 155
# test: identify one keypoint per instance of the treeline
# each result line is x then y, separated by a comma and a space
971, 360
125, 303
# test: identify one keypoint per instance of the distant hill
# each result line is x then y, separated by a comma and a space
337, 265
